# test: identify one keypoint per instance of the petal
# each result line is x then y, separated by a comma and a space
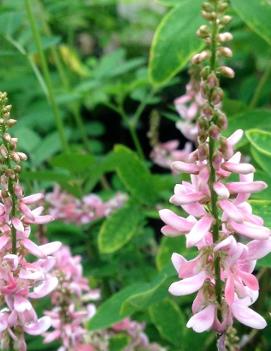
21, 304
202, 320
170, 218
247, 316
32, 248
231, 210
244, 168
229, 290
43, 219
44, 289
221, 190
39, 327
3, 241
199, 231
28, 200
188, 285
50, 248
259, 248
185, 167
246, 187
169, 231
251, 230
235, 137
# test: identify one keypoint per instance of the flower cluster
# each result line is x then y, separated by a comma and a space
216, 202
65, 207
69, 312
21, 281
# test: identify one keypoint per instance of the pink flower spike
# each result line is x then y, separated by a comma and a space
31, 199
246, 187
188, 285
244, 168
199, 231
185, 167
202, 320
247, 316
38, 328
251, 230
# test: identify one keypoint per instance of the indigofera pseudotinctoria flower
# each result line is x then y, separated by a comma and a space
219, 219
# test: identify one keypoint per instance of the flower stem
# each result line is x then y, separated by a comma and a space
212, 179
47, 77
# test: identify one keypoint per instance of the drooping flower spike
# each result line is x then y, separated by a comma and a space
21, 281
217, 209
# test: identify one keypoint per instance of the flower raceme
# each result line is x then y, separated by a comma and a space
21, 281
237, 259
216, 203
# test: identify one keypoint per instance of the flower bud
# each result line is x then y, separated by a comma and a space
225, 51
210, 16
212, 81
203, 151
214, 132
199, 58
11, 122
7, 137
222, 121
206, 6
222, 6
22, 156
205, 72
203, 31
227, 72
217, 96
15, 157
208, 111
225, 20
223, 37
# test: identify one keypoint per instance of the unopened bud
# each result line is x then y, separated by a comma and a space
22, 156
17, 169
227, 72
224, 51
212, 81
7, 108
7, 137
222, 6
15, 157
210, 16
199, 58
222, 121
208, 111
217, 96
224, 37
203, 151
11, 122
203, 124
225, 20
203, 31
214, 132
217, 159
205, 72
206, 6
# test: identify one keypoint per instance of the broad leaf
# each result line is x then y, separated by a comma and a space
256, 14
260, 140
169, 321
175, 41
119, 228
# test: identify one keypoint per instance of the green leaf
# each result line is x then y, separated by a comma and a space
135, 175
256, 14
260, 140
109, 312
47, 176
262, 208
75, 162
169, 321
175, 41
249, 120
149, 293
28, 140
171, 2
47, 148
119, 228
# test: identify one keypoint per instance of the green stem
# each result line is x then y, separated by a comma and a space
258, 92
47, 77
212, 179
